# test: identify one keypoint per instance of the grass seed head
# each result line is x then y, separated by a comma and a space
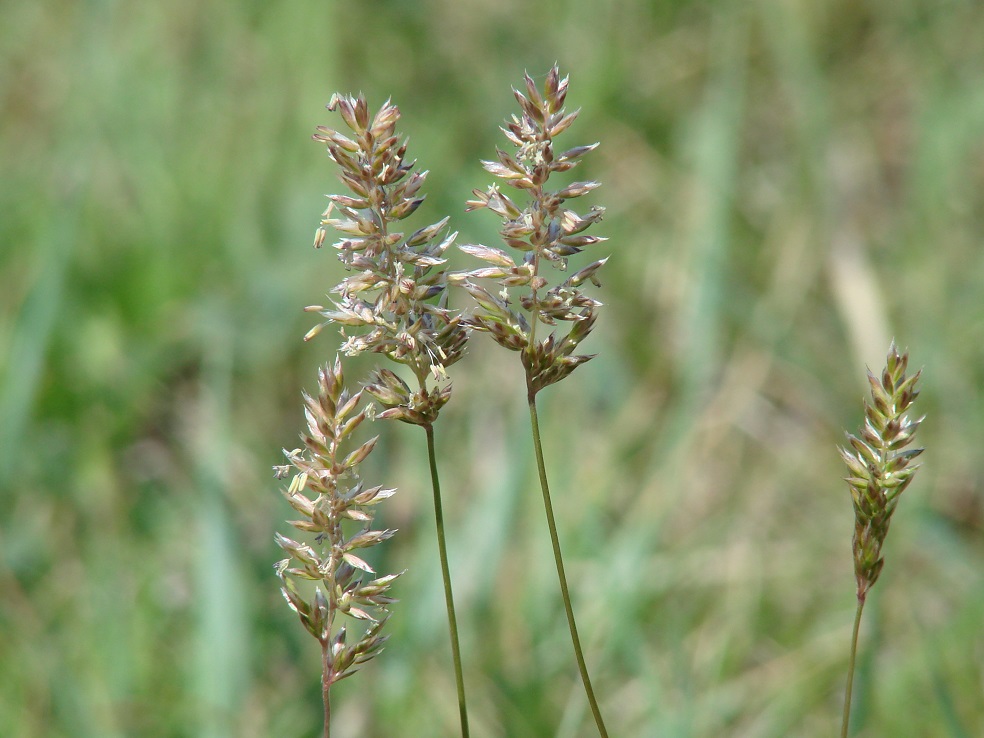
327, 491
540, 227
879, 463
395, 302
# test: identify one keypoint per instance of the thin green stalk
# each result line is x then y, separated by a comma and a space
446, 574
559, 559
850, 669
326, 684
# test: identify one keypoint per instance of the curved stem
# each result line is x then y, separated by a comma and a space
850, 669
559, 559
446, 574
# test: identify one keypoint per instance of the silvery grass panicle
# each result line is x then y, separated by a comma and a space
337, 508
397, 298
396, 303
542, 230
881, 468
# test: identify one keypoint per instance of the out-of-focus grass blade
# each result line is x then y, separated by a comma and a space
221, 665
715, 146
24, 361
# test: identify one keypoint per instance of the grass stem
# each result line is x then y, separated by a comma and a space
559, 559
326, 684
446, 575
850, 669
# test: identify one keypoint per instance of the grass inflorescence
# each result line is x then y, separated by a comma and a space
881, 468
544, 232
329, 494
395, 303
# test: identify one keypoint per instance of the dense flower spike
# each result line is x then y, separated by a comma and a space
879, 463
542, 229
880, 469
335, 506
397, 299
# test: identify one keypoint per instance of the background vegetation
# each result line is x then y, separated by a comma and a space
790, 184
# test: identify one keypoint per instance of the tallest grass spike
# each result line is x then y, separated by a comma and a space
543, 232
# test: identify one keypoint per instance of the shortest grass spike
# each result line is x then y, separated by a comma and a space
880, 463
880, 469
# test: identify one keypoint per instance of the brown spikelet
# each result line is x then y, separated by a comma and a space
880, 464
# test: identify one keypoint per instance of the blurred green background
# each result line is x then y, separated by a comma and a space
789, 185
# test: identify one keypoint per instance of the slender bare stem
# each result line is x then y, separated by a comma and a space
559, 559
326, 684
850, 669
446, 574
